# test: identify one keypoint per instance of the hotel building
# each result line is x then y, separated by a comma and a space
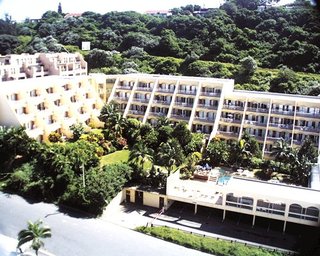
212, 106
47, 93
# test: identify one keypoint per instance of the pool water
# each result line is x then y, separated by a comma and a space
223, 180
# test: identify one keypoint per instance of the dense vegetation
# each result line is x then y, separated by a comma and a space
205, 244
185, 43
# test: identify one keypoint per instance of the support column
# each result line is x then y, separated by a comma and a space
224, 215
284, 226
195, 208
253, 220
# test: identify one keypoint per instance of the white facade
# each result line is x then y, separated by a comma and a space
212, 106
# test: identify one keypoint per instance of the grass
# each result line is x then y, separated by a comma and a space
120, 156
206, 244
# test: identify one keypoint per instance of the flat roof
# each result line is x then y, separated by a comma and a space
267, 190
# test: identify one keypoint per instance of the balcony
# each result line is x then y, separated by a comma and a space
165, 90
183, 104
180, 117
228, 134
282, 112
140, 100
233, 107
151, 113
255, 123
211, 94
204, 119
136, 112
258, 110
207, 106
125, 99
161, 102
145, 89
124, 87
230, 120
307, 129
187, 92
281, 126
309, 115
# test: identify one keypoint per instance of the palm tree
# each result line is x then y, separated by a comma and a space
140, 154
166, 156
34, 233
282, 152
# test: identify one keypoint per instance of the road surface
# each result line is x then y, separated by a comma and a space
72, 236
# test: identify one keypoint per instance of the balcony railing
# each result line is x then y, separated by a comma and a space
233, 107
157, 113
163, 102
230, 120
258, 110
212, 94
121, 98
140, 100
204, 119
136, 112
183, 104
182, 117
310, 115
256, 123
228, 134
124, 87
282, 126
207, 106
307, 129
165, 90
187, 92
146, 89
282, 112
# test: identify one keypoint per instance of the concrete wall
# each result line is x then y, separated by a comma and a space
151, 199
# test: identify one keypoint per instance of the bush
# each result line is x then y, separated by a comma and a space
205, 244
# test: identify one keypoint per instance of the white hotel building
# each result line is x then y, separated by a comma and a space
50, 92
47, 92
213, 107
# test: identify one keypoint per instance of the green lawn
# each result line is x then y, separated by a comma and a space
206, 244
115, 157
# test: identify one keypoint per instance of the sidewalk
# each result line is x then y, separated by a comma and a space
132, 216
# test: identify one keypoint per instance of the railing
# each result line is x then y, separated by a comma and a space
121, 98
157, 113
233, 107
282, 126
307, 128
165, 90
183, 117
255, 123
258, 110
230, 120
207, 106
161, 102
270, 210
184, 104
204, 119
136, 112
214, 94
310, 115
140, 100
124, 87
229, 134
239, 205
187, 92
282, 112
147, 89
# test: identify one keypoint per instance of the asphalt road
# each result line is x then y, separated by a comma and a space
72, 236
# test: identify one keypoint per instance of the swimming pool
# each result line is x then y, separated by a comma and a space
223, 180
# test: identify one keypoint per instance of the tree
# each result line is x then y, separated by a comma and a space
182, 134
140, 154
281, 151
217, 152
248, 66
77, 131
34, 233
